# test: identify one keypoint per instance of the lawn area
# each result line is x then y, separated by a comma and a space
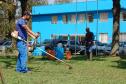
102, 70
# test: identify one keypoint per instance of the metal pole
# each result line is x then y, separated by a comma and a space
40, 40
97, 30
76, 30
86, 13
86, 26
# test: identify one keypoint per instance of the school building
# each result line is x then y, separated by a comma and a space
71, 19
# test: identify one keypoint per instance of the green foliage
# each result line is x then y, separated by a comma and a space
7, 18
39, 2
36, 2
9, 9
62, 1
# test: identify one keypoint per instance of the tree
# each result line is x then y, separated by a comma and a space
36, 2
39, 2
62, 1
23, 5
116, 27
6, 17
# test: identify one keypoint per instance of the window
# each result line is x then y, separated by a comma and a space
65, 19
103, 17
122, 36
124, 16
90, 17
73, 18
81, 18
54, 19
103, 37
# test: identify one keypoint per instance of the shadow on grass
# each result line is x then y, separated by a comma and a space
35, 69
74, 58
32, 58
121, 64
86, 58
8, 61
38, 58
99, 58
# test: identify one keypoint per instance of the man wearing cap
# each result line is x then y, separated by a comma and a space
89, 38
23, 29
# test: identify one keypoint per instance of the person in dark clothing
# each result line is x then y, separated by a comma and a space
89, 38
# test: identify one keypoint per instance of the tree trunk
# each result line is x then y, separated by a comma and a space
23, 5
116, 27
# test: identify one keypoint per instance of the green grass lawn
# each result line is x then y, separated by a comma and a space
102, 70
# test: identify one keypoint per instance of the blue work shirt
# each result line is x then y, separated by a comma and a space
19, 27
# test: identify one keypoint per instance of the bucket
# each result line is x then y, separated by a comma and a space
68, 55
59, 52
52, 52
38, 52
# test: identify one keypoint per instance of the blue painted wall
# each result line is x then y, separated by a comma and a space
42, 15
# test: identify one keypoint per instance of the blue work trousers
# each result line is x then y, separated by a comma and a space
22, 59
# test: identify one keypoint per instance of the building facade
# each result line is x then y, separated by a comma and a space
54, 21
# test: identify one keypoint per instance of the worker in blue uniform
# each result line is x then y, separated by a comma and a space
23, 29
